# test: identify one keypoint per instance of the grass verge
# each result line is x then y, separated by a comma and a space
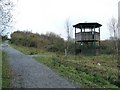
27, 50
5, 72
82, 71
0, 69
89, 71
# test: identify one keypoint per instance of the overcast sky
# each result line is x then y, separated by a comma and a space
43, 16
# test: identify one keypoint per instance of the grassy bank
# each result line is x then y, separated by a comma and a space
27, 50
98, 72
0, 63
5, 72
89, 71
0, 69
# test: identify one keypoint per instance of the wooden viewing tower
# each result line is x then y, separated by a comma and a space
87, 35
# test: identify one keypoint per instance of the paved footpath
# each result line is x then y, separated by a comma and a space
28, 73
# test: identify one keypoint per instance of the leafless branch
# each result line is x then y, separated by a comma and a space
6, 17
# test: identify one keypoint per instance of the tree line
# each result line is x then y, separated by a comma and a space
54, 43
49, 41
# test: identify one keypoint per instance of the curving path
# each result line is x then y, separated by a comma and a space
28, 73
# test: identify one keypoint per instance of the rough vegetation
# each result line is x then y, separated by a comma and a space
54, 43
6, 83
49, 42
88, 71
0, 69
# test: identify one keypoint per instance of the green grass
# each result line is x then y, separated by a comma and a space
81, 69
27, 50
0, 69
5, 72
0, 64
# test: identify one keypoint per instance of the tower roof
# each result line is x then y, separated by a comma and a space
87, 25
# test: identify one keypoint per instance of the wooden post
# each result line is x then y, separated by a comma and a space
84, 35
99, 40
94, 45
75, 40
65, 52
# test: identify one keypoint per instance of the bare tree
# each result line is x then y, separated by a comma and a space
113, 28
114, 32
68, 28
118, 45
6, 17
